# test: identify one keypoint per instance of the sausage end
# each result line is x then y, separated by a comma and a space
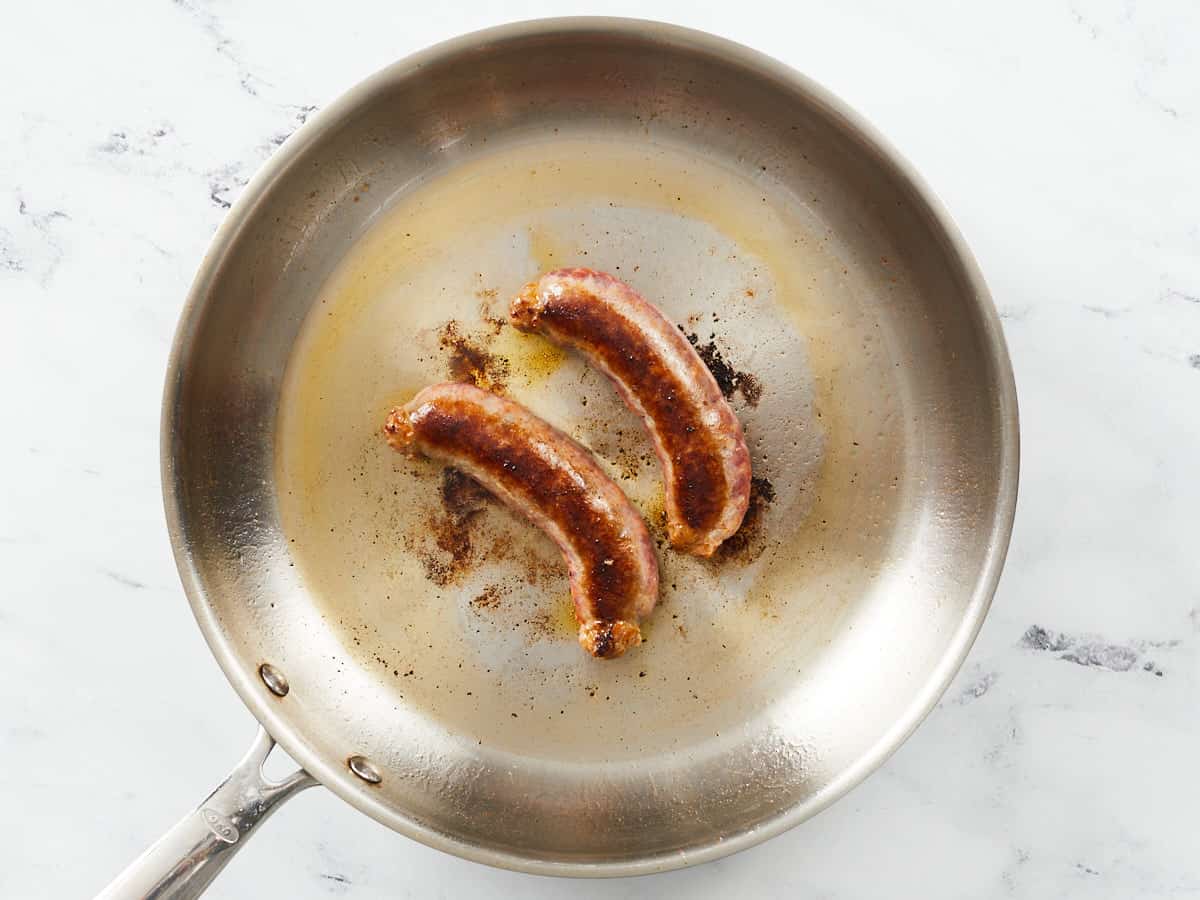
608, 640
398, 430
526, 307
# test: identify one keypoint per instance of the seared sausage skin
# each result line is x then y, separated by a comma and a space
696, 435
555, 483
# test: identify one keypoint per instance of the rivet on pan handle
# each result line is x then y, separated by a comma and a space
180, 865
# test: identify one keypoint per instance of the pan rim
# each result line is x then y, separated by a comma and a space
332, 775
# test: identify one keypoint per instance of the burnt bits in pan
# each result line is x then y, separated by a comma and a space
468, 359
453, 528
488, 598
455, 536
730, 380
748, 543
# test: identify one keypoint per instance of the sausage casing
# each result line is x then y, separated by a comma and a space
555, 483
696, 435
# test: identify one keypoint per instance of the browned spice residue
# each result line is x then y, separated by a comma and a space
535, 569
750, 387
471, 362
488, 599
748, 543
542, 623
463, 499
495, 321
461, 542
462, 495
630, 460
729, 379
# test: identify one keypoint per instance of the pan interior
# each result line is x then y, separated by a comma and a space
427, 628
461, 608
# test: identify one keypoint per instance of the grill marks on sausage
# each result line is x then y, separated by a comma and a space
521, 469
700, 482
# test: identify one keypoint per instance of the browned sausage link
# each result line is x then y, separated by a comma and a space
556, 484
696, 435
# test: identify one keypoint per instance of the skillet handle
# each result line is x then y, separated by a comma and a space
180, 865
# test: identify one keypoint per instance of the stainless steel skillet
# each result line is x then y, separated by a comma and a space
821, 651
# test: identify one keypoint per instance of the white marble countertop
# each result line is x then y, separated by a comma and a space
1065, 139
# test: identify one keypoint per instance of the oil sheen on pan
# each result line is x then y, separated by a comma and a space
464, 606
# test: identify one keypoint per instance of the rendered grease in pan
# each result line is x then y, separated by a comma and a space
465, 607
